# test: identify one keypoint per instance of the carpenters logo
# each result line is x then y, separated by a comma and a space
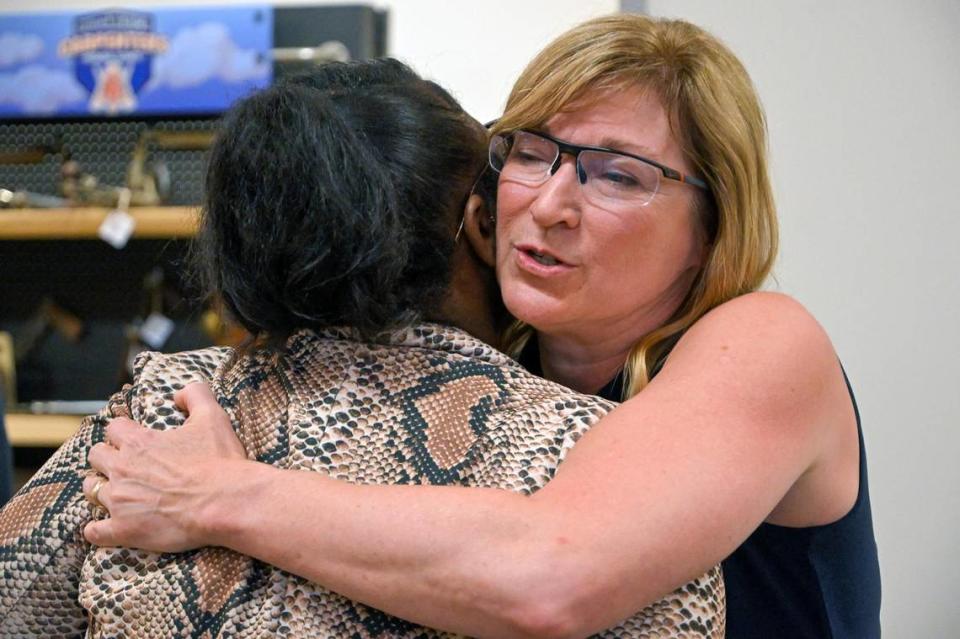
112, 55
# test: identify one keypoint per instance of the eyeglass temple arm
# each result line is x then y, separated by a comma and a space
682, 177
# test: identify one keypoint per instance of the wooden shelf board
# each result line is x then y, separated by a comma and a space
157, 222
26, 429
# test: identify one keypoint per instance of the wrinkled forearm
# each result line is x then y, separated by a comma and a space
478, 568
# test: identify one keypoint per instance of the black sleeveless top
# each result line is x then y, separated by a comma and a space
821, 582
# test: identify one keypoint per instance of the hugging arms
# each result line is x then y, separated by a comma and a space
379, 388
634, 225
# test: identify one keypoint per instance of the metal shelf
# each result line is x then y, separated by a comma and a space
82, 223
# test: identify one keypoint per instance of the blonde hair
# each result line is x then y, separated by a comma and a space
717, 119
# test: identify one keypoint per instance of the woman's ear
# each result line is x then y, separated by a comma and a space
479, 226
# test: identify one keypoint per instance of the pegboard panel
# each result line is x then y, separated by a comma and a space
91, 278
105, 290
103, 148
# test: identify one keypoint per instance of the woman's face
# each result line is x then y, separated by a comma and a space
616, 273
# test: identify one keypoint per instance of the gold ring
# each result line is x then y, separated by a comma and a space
95, 492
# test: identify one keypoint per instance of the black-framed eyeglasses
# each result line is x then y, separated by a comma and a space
609, 178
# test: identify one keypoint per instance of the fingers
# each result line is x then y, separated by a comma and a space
102, 458
101, 533
96, 490
194, 397
148, 533
121, 431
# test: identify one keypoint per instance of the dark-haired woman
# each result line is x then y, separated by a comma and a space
328, 232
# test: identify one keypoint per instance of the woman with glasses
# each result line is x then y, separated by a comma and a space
635, 225
361, 298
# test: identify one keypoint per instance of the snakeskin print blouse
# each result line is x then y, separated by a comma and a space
430, 404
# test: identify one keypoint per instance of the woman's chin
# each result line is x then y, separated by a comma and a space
534, 307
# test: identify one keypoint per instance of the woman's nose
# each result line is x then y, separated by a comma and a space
559, 199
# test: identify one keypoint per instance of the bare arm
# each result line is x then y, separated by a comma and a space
742, 425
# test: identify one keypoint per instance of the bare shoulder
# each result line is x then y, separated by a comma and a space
762, 314
765, 361
763, 358
766, 339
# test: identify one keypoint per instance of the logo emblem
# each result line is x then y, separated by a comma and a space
112, 54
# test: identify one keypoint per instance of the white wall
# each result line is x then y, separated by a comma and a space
863, 100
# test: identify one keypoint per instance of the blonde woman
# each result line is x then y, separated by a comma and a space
635, 225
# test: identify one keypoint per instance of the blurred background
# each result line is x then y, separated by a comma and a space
862, 100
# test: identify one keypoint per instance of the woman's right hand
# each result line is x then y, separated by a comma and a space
159, 486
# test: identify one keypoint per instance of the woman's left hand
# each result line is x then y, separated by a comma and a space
158, 485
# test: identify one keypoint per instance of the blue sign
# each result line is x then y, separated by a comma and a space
118, 62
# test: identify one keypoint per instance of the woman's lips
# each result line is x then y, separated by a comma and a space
539, 261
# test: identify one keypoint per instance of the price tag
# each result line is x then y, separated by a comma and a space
156, 330
117, 228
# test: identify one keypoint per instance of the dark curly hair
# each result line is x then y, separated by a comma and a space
332, 199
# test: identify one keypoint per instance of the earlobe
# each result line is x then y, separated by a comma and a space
479, 227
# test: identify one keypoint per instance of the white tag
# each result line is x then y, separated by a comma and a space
117, 228
156, 330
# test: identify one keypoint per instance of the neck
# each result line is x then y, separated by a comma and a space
586, 360
581, 366
473, 298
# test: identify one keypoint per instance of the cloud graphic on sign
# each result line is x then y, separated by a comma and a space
39, 90
16, 48
205, 52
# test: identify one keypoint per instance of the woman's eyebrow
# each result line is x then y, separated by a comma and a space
619, 144
608, 142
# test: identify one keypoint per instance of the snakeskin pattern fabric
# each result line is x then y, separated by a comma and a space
427, 405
